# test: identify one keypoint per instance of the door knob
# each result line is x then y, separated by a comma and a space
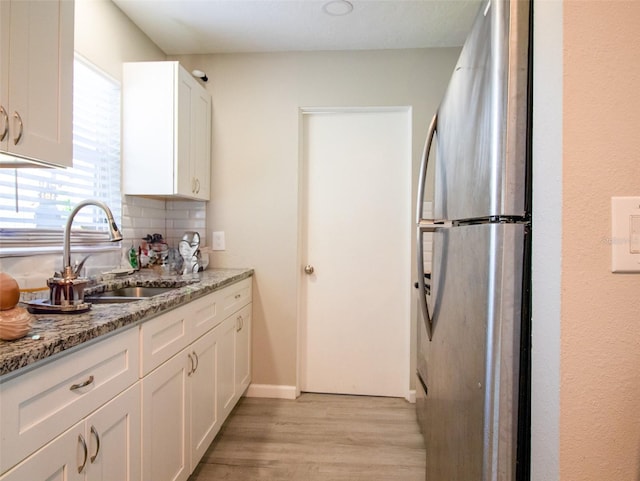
308, 269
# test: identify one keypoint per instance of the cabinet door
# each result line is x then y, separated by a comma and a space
205, 423
226, 333
201, 131
148, 122
113, 439
164, 421
243, 350
40, 96
194, 138
57, 461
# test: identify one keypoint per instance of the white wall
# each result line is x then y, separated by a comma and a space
106, 37
256, 102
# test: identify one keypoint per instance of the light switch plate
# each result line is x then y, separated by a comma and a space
625, 234
217, 242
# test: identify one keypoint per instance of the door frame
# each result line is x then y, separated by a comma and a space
302, 241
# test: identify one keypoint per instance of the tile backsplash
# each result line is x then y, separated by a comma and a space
185, 216
171, 218
140, 216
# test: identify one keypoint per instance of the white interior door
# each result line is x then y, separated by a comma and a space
356, 223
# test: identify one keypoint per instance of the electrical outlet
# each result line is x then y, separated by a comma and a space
217, 243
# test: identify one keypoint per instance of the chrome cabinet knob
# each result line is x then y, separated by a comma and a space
308, 269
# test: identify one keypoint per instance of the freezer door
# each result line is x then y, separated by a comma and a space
471, 365
480, 165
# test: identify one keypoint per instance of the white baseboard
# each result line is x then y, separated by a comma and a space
271, 391
411, 397
276, 391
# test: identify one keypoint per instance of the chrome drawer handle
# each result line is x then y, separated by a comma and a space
94, 431
82, 384
194, 361
16, 116
192, 370
195, 356
3, 112
86, 452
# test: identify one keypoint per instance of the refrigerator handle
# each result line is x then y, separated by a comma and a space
422, 290
422, 179
423, 226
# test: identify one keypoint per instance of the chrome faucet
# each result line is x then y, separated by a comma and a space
114, 234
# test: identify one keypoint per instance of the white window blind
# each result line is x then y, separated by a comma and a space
35, 202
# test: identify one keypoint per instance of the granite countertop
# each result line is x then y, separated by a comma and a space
53, 333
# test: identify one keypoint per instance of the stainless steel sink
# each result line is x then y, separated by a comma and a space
126, 294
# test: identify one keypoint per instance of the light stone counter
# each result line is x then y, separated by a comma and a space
54, 333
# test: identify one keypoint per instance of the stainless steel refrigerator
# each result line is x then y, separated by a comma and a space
473, 389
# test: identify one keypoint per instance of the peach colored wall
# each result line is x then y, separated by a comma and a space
600, 331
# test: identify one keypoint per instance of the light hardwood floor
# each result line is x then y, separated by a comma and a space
317, 437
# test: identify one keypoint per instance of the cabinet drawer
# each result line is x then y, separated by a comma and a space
206, 313
236, 296
39, 405
163, 337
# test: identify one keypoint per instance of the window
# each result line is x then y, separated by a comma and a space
35, 203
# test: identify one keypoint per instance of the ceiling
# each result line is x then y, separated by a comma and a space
224, 26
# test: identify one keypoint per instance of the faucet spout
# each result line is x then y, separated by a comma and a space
114, 233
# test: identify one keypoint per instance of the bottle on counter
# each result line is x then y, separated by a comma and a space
133, 258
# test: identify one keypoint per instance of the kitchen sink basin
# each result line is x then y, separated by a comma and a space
126, 294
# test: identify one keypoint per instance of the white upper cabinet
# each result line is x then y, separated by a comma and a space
166, 131
36, 80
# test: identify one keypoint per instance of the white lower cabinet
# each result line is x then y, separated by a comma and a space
226, 370
204, 418
112, 435
164, 421
57, 461
179, 411
44, 403
103, 447
144, 404
187, 397
242, 355
235, 355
